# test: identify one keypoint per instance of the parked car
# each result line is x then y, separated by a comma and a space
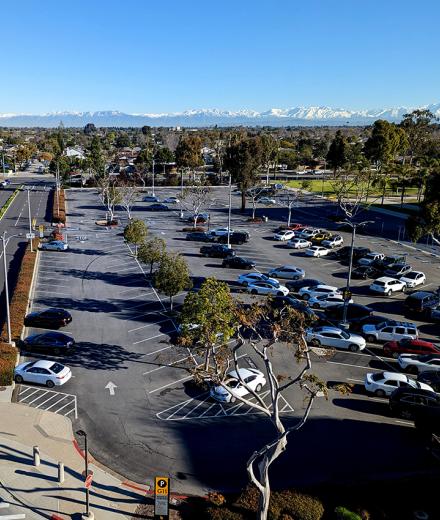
414, 363
239, 383
357, 325
267, 289
296, 285
365, 271
199, 236
200, 218
384, 383
171, 200
157, 207
387, 285
53, 342
413, 279
307, 292
427, 421
298, 243
335, 337
344, 253
390, 332
320, 237
285, 235
309, 233
237, 237
266, 200
279, 302
369, 258
293, 227
398, 270
287, 271
406, 402
355, 312
391, 260
410, 346
217, 251
431, 378
247, 278
317, 251
49, 373
4, 183
421, 303
221, 231
334, 241
48, 319
151, 198
55, 245
326, 301
238, 262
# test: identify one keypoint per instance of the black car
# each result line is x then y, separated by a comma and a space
431, 378
344, 253
217, 251
278, 302
407, 402
355, 312
356, 326
365, 271
157, 207
199, 236
53, 342
397, 270
238, 262
420, 303
296, 285
48, 319
236, 237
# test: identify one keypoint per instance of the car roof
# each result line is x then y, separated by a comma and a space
43, 363
244, 372
419, 295
415, 391
326, 328
396, 376
385, 279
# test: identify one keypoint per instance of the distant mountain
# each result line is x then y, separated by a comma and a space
298, 116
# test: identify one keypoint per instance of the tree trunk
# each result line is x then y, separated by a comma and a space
384, 187
402, 195
289, 216
207, 358
243, 201
254, 208
171, 303
151, 268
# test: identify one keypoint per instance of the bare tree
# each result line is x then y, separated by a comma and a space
128, 193
194, 199
266, 331
254, 194
108, 194
350, 190
289, 198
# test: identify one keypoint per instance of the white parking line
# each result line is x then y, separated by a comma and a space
355, 380
150, 324
356, 366
46, 401
157, 351
141, 295
132, 307
166, 366
52, 284
170, 384
148, 339
39, 397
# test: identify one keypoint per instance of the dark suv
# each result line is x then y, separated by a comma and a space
48, 319
236, 237
217, 251
200, 236
407, 402
421, 303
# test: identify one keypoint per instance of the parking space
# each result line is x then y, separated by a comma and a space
49, 400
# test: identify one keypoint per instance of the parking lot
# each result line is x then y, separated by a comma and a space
154, 420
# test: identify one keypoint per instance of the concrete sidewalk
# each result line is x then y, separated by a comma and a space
36, 489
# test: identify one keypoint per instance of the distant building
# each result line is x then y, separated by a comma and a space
75, 153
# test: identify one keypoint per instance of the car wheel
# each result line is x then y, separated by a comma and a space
18, 379
306, 296
296, 277
315, 305
258, 388
50, 384
379, 393
56, 351
279, 293
254, 291
395, 355
353, 347
315, 342
371, 339
232, 399
390, 292
405, 414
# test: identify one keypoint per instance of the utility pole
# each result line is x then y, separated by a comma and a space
30, 218
58, 188
88, 513
8, 317
229, 211
153, 178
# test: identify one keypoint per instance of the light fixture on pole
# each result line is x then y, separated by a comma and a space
88, 513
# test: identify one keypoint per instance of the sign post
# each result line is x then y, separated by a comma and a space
161, 498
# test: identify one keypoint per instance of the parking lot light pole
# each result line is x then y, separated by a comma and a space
5, 269
229, 211
153, 180
82, 433
30, 219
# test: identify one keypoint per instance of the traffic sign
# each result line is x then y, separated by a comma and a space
30, 235
161, 498
41, 230
88, 481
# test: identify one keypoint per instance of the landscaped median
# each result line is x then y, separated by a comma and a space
6, 205
58, 207
18, 309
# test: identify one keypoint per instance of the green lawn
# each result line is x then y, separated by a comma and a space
326, 187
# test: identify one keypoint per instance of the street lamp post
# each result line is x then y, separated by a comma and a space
82, 433
5, 269
30, 219
153, 179
229, 211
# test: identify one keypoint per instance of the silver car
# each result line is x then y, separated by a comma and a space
55, 245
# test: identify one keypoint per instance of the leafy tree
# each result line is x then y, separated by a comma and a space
212, 309
89, 129
146, 130
172, 276
96, 157
145, 158
164, 155
135, 233
151, 252
289, 158
189, 152
385, 143
337, 153
243, 159
123, 140
418, 126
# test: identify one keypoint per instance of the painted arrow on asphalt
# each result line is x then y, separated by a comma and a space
111, 387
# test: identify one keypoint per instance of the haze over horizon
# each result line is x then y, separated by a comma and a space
152, 58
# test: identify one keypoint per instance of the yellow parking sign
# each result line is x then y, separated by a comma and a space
161, 497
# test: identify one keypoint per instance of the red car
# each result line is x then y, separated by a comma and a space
296, 227
410, 346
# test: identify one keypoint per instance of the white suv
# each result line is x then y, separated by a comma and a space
390, 332
387, 285
318, 290
335, 337
370, 258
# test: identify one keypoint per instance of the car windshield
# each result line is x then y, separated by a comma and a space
380, 284
57, 368
377, 377
345, 335
411, 276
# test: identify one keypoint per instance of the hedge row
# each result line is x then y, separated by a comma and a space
8, 357
58, 218
6, 205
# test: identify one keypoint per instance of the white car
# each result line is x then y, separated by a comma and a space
239, 385
370, 258
332, 242
318, 290
387, 285
287, 271
247, 278
171, 200
298, 243
55, 245
384, 383
287, 234
317, 251
326, 300
43, 372
390, 331
335, 337
310, 232
221, 231
416, 363
266, 200
267, 288
413, 279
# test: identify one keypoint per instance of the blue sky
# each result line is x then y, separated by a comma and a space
172, 55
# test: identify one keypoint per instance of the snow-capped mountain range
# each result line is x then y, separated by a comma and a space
298, 116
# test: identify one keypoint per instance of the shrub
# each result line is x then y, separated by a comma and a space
343, 513
216, 498
248, 499
223, 513
191, 229
58, 217
295, 504
8, 357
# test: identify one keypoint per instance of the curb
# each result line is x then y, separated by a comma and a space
9, 202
